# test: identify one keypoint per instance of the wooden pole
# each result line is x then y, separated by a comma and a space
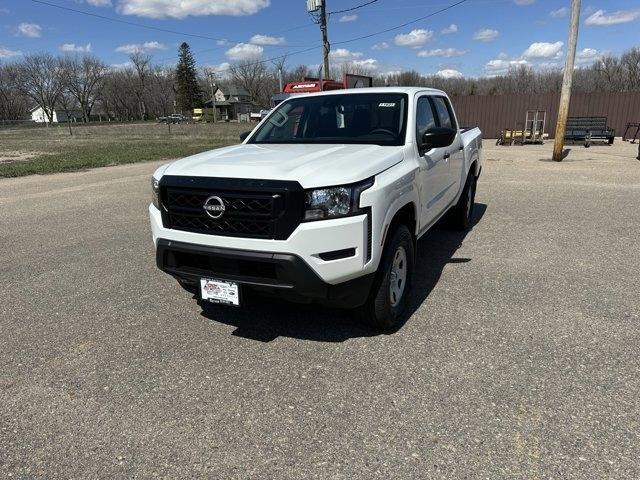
325, 38
567, 80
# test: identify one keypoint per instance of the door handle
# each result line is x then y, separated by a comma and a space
447, 155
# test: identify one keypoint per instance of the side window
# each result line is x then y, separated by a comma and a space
444, 112
424, 117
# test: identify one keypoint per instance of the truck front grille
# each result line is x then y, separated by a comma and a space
249, 212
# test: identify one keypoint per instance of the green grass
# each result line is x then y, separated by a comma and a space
28, 151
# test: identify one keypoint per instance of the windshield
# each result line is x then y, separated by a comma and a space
367, 118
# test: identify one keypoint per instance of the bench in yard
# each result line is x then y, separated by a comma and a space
588, 130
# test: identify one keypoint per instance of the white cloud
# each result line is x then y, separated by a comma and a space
220, 71
380, 46
415, 38
31, 30
442, 52
266, 40
524, 2
99, 3
501, 66
602, 19
449, 73
559, 13
72, 47
587, 56
223, 42
145, 47
453, 28
348, 18
120, 66
344, 55
244, 51
7, 52
185, 8
486, 35
368, 64
545, 50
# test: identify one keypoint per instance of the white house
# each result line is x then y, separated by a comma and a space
38, 115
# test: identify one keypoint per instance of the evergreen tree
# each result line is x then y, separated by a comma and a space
188, 94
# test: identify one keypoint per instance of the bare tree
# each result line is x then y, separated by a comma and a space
610, 74
69, 105
14, 105
162, 91
142, 65
118, 96
84, 78
40, 78
252, 76
630, 61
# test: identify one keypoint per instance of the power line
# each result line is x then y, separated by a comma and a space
444, 9
352, 8
286, 54
387, 30
148, 27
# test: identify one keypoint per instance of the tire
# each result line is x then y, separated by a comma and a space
387, 300
461, 214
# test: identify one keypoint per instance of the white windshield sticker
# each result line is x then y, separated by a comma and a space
387, 105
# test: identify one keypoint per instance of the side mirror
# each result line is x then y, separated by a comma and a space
244, 135
437, 137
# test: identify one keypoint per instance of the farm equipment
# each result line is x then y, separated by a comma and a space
531, 132
588, 130
630, 126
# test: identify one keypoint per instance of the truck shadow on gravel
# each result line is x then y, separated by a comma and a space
264, 319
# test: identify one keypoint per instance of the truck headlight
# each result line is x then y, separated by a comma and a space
155, 192
334, 202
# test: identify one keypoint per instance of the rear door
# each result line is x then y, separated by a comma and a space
434, 167
455, 151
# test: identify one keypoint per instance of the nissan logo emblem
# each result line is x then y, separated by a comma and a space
214, 207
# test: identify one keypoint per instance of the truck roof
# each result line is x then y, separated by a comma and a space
407, 90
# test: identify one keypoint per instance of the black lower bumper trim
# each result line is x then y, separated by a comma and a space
286, 276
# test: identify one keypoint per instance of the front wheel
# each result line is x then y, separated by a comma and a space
388, 297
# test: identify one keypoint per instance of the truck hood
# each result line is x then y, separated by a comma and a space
311, 165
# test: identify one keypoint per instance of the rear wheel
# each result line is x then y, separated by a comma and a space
388, 297
460, 215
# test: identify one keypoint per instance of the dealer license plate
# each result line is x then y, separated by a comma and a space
219, 291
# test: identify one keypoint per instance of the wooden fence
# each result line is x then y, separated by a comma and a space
493, 113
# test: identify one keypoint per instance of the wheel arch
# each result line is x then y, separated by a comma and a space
404, 215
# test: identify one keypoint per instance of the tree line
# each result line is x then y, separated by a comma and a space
86, 88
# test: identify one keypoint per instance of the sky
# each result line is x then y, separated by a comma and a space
474, 39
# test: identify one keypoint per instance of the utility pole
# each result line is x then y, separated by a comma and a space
567, 80
213, 94
318, 10
325, 39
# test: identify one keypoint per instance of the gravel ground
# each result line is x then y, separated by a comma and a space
521, 358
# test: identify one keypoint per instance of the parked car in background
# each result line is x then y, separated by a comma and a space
322, 202
174, 118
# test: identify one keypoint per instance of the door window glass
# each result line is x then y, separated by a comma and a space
424, 117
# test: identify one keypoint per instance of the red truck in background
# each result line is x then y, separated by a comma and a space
311, 85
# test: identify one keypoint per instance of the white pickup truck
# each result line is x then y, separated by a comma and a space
322, 202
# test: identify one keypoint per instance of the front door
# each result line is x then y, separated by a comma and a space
455, 151
434, 166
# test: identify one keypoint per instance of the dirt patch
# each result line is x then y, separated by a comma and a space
18, 156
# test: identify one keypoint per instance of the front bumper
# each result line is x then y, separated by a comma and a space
309, 242
282, 275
